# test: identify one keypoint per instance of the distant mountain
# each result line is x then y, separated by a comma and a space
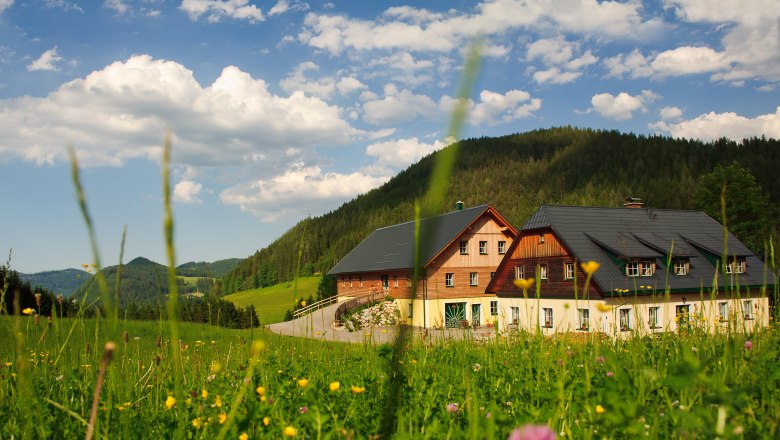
204, 269
59, 282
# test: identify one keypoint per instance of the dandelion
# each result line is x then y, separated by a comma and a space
290, 431
303, 303
590, 267
357, 390
532, 432
218, 402
748, 345
204, 394
197, 423
303, 383
334, 386
524, 283
452, 407
260, 391
600, 409
603, 307
243, 436
222, 418
27, 311
170, 402
257, 347
266, 421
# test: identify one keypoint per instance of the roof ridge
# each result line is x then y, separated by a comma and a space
483, 206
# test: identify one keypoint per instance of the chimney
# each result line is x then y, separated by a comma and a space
633, 203
459, 206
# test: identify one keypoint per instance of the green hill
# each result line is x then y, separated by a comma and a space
515, 174
204, 269
272, 302
59, 282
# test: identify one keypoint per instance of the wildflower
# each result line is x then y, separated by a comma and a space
452, 407
334, 386
603, 307
303, 383
303, 410
197, 423
600, 409
216, 367
532, 432
590, 267
303, 303
218, 402
476, 367
748, 345
243, 436
289, 431
27, 311
610, 373
357, 390
222, 418
170, 402
266, 421
600, 359
524, 283
260, 391
8, 364
204, 394
257, 347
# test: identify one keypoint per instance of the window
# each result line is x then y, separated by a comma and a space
494, 308
736, 266
653, 317
569, 271
449, 280
501, 247
541, 238
408, 281
632, 268
519, 272
515, 315
492, 274
646, 268
464, 247
411, 310
350, 281
395, 280
547, 317
483, 247
583, 319
343, 282
473, 279
542, 271
681, 267
747, 308
682, 315
625, 319
360, 281
723, 311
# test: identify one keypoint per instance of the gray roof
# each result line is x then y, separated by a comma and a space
392, 247
612, 235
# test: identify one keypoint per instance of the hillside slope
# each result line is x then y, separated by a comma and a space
60, 282
515, 174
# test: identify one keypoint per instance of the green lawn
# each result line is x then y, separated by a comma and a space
272, 302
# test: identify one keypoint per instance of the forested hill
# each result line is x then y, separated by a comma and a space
63, 282
515, 174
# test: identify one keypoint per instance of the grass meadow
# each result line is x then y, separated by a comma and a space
272, 302
692, 386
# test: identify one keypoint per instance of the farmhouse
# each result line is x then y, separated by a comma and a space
458, 254
660, 270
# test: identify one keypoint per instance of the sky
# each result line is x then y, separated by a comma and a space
282, 109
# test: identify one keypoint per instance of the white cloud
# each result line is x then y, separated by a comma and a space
398, 106
413, 29
712, 126
349, 84
669, 113
299, 191
215, 10
187, 191
494, 108
6, 4
123, 111
402, 152
60, 4
297, 80
283, 6
622, 106
116, 5
47, 61
555, 76
403, 68
561, 58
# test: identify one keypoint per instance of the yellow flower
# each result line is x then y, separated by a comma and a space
204, 394
170, 402
590, 267
8, 364
289, 431
197, 423
357, 390
222, 418
216, 367
27, 311
218, 402
303, 303
257, 347
303, 383
603, 307
243, 436
266, 421
334, 386
600, 409
524, 283
260, 391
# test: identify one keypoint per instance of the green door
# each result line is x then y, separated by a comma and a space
454, 314
476, 312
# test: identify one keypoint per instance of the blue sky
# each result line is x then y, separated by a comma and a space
283, 109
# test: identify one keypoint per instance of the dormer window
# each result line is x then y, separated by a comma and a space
645, 268
736, 266
681, 266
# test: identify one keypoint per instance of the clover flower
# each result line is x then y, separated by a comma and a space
532, 432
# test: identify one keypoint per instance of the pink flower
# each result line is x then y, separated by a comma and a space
532, 432
610, 373
304, 409
748, 345
452, 408
600, 359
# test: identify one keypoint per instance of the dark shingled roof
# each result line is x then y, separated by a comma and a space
612, 235
392, 247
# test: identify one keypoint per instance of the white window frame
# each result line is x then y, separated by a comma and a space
519, 272
360, 281
350, 282
747, 309
568, 271
681, 267
624, 319
547, 317
408, 281
515, 315
464, 247
646, 268
632, 269
653, 316
395, 280
493, 308
411, 310
473, 279
737, 266
543, 272
583, 319
449, 279
723, 311
501, 247
541, 238
483, 250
